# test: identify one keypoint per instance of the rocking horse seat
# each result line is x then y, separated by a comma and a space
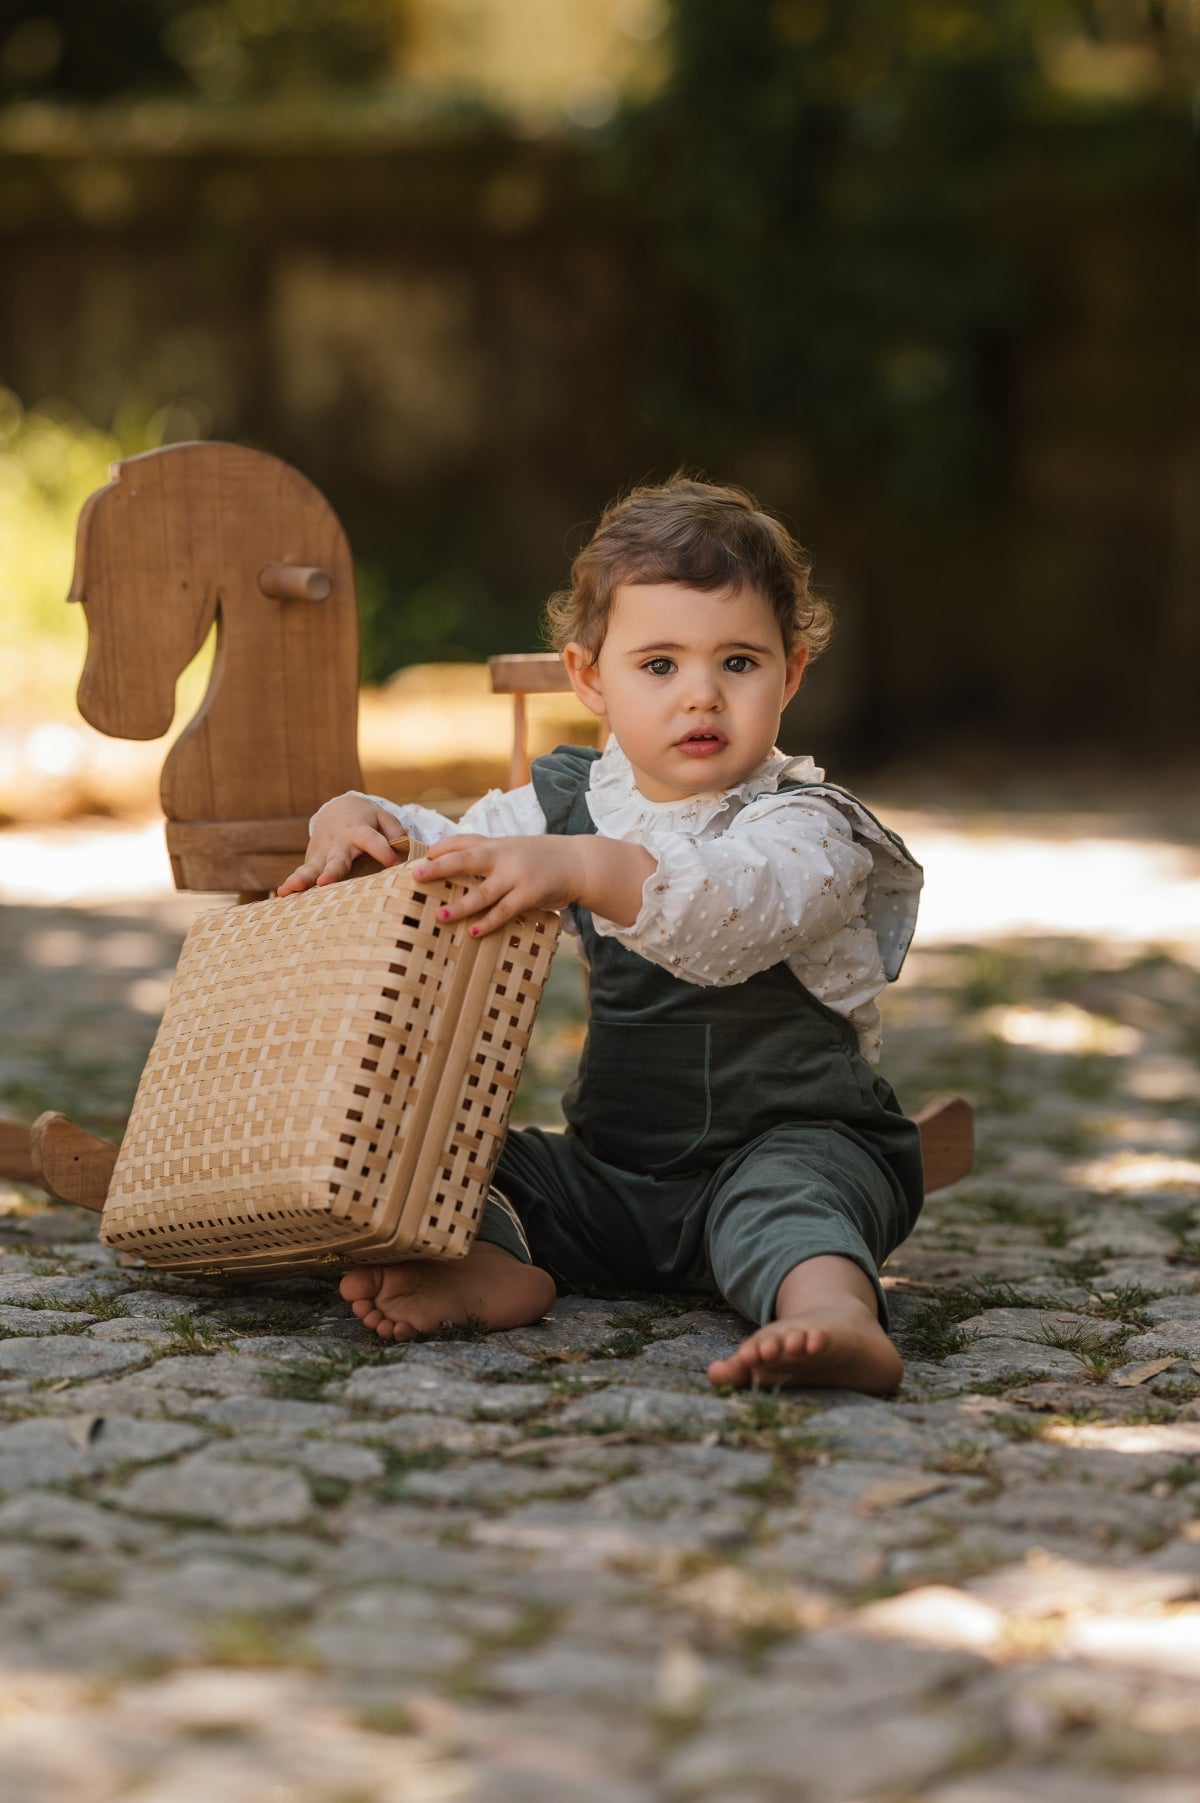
242, 856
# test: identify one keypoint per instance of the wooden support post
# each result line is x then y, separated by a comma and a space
947, 1128
518, 767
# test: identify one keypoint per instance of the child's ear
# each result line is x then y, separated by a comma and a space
584, 676
794, 669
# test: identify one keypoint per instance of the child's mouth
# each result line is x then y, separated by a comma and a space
701, 744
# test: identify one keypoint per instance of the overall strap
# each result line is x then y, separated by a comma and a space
852, 806
560, 782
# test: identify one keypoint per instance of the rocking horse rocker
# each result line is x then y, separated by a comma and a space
333, 1074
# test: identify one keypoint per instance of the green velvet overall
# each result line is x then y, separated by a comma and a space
716, 1136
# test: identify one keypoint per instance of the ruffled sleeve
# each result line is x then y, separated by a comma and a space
892, 890
781, 882
496, 815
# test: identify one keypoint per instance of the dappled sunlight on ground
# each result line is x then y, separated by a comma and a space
979, 885
584, 1575
84, 863
1017, 877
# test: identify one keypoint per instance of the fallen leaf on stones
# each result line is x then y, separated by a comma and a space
1140, 1374
61, 1384
893, 1493
1196, 1365
81, 1430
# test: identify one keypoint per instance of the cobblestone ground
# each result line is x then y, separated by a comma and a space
248, 1554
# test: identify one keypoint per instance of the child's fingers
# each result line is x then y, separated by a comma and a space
331, 863
303, 877
455, 858
362, 841
458, 842
335, 867
487, 905
335, 863
485, 894
497, 916
376, 845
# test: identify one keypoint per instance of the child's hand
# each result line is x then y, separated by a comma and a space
513, 875
343, 830
544, 871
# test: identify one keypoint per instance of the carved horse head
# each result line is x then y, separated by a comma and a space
197, 532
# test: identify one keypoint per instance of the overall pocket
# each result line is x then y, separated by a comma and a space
644, 1100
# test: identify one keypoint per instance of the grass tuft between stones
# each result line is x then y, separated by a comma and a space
250, 1639
305, 1380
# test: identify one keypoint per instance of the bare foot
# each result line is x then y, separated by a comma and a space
400, 1301
839, 1344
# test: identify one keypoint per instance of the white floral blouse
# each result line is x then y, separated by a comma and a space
746, 877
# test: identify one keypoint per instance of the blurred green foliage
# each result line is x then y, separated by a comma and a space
905, 267
217, 50
827, 272
422, 609
51, 459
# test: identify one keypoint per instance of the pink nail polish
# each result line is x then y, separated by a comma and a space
474, 932
443, 913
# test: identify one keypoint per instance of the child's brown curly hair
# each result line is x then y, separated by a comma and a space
702, 536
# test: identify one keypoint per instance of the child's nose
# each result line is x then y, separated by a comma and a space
704, 690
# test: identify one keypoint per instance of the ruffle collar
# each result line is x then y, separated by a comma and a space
620, 810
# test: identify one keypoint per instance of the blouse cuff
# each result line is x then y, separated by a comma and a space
650, 913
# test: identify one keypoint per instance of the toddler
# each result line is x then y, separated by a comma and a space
738, 916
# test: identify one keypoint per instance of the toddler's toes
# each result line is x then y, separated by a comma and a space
764, 1349
361, 1285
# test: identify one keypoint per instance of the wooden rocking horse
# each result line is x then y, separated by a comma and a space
200, 533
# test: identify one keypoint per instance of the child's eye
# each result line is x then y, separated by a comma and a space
659, 666
740, 662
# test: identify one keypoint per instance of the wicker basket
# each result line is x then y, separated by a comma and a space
331, 1081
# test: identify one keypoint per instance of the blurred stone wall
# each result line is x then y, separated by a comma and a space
445, 334
399, 313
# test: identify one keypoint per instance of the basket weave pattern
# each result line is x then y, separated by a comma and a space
331, 1081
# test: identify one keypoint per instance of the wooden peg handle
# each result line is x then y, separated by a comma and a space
295, 582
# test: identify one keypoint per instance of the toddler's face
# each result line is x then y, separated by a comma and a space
693, 684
